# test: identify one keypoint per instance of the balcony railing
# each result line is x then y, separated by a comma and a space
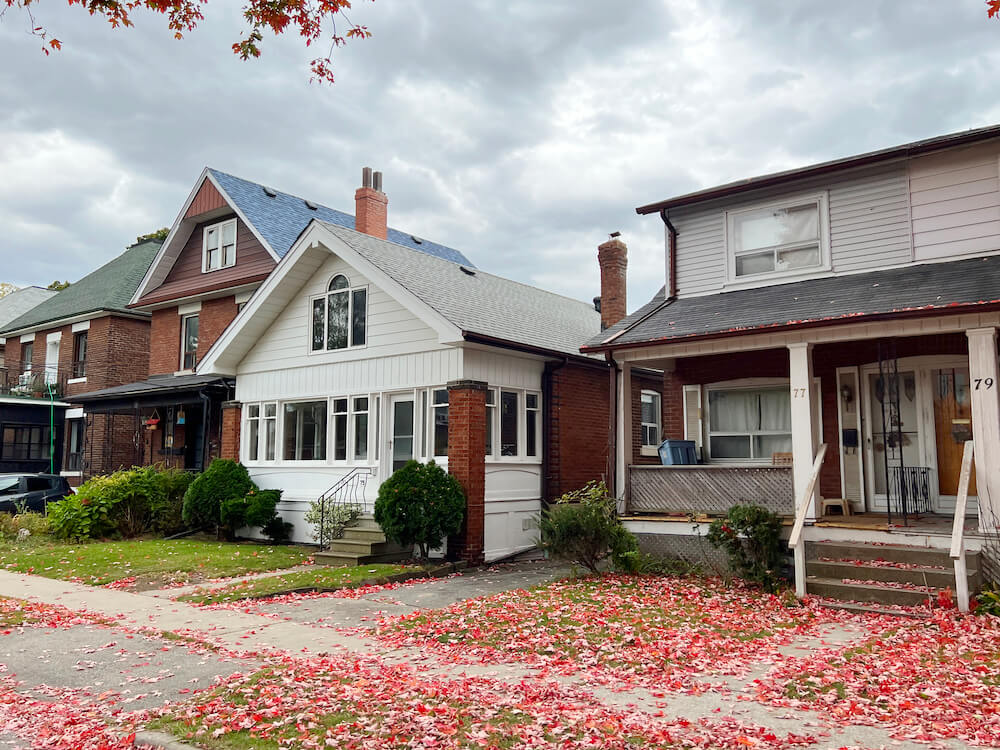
38, 382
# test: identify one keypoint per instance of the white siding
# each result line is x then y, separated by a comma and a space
869, 227
392, 329
956, 202
498, 368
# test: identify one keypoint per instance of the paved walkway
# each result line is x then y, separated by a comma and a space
243, 631
175, 591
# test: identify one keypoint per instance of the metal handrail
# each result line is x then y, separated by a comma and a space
344, 492
958, 528
802, 505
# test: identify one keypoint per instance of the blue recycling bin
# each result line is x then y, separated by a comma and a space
677, 452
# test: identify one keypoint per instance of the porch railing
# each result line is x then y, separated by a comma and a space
39, 382
802, 505
709, 489
958, 529
347, 495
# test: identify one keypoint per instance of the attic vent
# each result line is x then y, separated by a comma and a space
417, 240
310, 205
467, 271
270, 192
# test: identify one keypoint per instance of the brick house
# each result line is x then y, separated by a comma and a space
16, 304
225, 242
852, 304
360, 352
81, 339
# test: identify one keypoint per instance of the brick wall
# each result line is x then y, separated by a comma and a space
165, 349
641, 383
230, 437
467, 463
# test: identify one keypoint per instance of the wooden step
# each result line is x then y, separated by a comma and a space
921, 575
866, 592
893, 552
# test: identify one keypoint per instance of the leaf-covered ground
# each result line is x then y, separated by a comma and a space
151, 562
318, 577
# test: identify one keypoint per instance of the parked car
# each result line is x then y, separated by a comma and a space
31, 491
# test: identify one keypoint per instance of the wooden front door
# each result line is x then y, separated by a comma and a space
952, 427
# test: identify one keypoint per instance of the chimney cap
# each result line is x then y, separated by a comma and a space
615, 235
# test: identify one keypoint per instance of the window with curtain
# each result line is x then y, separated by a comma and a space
340, 317
749, 423
776, 239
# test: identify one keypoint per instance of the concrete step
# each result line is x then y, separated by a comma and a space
366, 521
861, 592
357, 534
337, 558
364, 547
894, 552
920, 576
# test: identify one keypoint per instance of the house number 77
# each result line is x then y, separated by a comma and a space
985, 383
801, 392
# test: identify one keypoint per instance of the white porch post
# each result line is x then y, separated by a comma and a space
624, 438
985, 388
803, 442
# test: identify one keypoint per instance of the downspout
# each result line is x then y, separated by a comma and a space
671, 255
612, 424
550, 368
206, 420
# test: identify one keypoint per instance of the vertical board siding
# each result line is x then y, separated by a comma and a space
497, 368
869, 227
207, 199
392, 330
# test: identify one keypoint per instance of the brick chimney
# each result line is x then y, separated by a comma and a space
370, 205
613, 258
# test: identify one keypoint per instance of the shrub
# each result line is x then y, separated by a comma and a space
277, 530
583, 527
167, 511
751, 537
223, 481
329, 521
256, 508
988, 601
83, 516
14, 527
420, 504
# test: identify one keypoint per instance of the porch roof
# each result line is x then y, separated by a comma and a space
158, 389
896, 292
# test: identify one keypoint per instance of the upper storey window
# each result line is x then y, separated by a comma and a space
778, 239
219, 246
340, 317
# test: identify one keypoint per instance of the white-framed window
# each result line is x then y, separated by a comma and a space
340, 423
651, 417
439, 423
532, 425
218, 246
778, 239
189, 341
749, 424
491, 420
339, 317
360, 410
510, 402
262, 431
253, 432
304, 431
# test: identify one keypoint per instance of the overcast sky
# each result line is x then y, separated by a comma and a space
521, 132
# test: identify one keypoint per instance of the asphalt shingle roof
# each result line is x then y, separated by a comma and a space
155, 384
929, 286
110, 288
479, 302
17, 303
280, 219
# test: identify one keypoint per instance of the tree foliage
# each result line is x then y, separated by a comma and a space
420, 504
160, 234
316, 21
7, 288
58, 286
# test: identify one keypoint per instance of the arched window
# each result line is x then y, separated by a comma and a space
339, 318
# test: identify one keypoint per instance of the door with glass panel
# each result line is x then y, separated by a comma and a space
952, 427
402, 430
894, 437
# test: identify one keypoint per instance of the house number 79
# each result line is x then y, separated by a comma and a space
801, 392
985, 383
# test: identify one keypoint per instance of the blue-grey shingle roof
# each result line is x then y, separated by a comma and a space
280, 219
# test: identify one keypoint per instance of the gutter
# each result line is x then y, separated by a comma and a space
478, 338
99, 312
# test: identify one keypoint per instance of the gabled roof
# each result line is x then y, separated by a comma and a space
951, 286
109, 289
915, 148
457, 301
281, 218
20, 301
481, 303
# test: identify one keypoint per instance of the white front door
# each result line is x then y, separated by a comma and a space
402, 430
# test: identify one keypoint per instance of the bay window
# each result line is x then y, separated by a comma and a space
361, 429
749, 423
532, 424
339, 317
509, 403
340, 429
780, 238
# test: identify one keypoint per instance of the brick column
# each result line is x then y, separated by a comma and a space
231, 422
467, 463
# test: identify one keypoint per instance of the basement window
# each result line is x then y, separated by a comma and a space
778, 239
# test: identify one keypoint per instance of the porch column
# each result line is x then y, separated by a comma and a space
803, 434
467, 463
624, 437
985, 389
230, 437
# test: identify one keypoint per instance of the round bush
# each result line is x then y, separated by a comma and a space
421, 504
224, 480
583, 527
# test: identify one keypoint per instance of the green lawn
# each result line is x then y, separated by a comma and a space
319, 578
152, 562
